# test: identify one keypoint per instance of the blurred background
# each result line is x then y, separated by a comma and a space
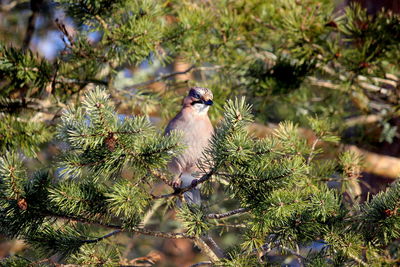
289, 83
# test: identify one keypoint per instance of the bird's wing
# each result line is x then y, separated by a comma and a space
173, 124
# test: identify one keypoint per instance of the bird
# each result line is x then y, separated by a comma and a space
195, 125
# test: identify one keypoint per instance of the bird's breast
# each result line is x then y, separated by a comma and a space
196, 137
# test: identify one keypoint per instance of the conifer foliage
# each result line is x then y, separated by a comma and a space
297, 62
281, 203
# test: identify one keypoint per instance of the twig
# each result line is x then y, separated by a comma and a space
53, 80
392, 77
102, 22
169, 75
8, 7
312, 153
64, 31
30, 29
71, 45
162, 77
138, 230
150, 213
213, 246
206, 249
144, 231
162, 177
291, 251
202, 263
75, 81
366, 119
358, 260
267, 248
103, 237
241, 225
180, 191
325, 84
227, 214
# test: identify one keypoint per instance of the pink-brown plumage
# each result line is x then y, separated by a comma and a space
196, 127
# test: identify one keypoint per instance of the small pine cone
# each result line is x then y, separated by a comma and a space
22, 204
110, 142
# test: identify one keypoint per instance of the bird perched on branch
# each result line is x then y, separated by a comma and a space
197, 130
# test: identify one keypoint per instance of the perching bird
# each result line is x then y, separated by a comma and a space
197, 130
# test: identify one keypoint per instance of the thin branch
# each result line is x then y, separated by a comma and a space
75, 81
102, 22
30, 29
138, 230
227, 214
291, 251
71, 45
267, 248
162, 77
213, 246
142, 84
169, 75
180, 191
202, 263
162, 177
144, 231
312, 153
365, 119
357, 259
325, 84
103, 237
151, 212
392, 77
8, 7
241, 225
206, 249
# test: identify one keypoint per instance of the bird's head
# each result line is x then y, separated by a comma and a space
199, 98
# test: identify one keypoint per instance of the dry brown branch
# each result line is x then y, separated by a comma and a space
375, 163
378, 164
367, 119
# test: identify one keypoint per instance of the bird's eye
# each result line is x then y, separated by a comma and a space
196, 95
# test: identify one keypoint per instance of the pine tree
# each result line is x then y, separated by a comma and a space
297, 62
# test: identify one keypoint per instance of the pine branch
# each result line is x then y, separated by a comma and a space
227, 214
142, 231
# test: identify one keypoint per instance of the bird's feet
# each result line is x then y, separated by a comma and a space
177, 183
194, 182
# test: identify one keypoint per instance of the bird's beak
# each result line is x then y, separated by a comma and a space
208, 102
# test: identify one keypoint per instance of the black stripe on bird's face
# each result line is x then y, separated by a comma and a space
201, 101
